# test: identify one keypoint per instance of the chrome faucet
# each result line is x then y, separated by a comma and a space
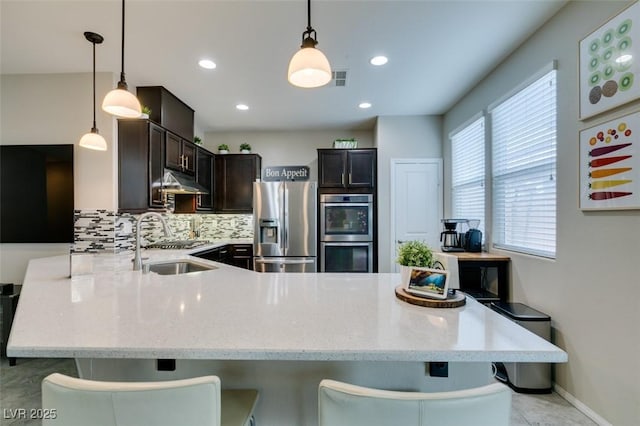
137, 260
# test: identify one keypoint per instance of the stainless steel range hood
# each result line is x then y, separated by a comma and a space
178, 183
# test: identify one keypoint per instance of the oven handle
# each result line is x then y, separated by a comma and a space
345, 204
344, 243
285, 261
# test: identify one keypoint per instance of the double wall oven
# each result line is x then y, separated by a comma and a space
346, 232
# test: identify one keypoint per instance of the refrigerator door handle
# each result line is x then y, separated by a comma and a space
286, 220
282, 227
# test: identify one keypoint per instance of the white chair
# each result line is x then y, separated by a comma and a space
341, 404
190, 402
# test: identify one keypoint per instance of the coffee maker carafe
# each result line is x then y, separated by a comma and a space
450, 238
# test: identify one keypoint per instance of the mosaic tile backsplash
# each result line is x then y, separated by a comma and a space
93, 231
102, 231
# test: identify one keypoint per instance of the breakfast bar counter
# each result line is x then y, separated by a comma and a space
280, 333
232, 313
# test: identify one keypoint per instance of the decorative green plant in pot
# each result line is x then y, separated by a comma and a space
146, 112
414, 253
223, 148
197, 140
245, 148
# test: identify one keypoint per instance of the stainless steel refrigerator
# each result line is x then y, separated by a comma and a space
285, 226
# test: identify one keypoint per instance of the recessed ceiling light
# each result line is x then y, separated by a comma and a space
378, 60
242, 107
365, 105
207, 64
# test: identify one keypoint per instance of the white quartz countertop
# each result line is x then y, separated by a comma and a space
236, 314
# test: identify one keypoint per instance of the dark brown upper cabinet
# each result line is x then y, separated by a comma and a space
180, 154
167, 110
204, 176
234, 177
347, 168
140, 165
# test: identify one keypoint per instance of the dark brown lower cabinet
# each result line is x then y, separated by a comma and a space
240, 255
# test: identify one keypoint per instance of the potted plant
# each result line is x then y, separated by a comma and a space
197, 140
245, 148
146, 112
414, 254
223, 148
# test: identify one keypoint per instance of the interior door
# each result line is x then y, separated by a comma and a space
417, 202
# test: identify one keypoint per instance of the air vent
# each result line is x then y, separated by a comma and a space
339, 78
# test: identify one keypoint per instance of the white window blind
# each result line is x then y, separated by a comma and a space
524, 169
467, 172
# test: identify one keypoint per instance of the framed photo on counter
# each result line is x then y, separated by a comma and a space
428, 282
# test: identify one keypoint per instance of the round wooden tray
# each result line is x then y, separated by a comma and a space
458, 299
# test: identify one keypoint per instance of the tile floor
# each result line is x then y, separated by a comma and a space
20, 388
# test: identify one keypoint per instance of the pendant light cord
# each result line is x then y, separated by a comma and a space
94, 87
122, 50
309, 37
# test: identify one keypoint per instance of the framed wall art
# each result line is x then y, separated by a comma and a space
610, 165
610, 64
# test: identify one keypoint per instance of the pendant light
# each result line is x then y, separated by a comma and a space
93, 140
309, 67
120, 102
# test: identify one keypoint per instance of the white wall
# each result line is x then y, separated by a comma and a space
286, 148
416, 136
591, 290
56, 109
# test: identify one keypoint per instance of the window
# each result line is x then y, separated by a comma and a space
467, 172
523, 129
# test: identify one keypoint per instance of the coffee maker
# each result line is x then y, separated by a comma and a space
450, 238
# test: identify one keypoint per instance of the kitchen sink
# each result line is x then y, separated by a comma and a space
175, 267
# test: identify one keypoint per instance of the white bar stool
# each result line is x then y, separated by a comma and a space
198, 401
342, 404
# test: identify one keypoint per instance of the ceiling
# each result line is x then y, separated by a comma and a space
438, 50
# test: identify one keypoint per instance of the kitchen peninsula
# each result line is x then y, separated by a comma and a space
279, 333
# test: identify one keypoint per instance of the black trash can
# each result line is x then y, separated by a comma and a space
525, 377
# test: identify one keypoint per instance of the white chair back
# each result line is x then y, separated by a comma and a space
79, 402
341, 404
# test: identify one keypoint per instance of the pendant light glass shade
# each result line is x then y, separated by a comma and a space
309, 67
93, 140
120, 102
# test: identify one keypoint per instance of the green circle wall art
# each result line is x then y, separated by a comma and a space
609, 62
